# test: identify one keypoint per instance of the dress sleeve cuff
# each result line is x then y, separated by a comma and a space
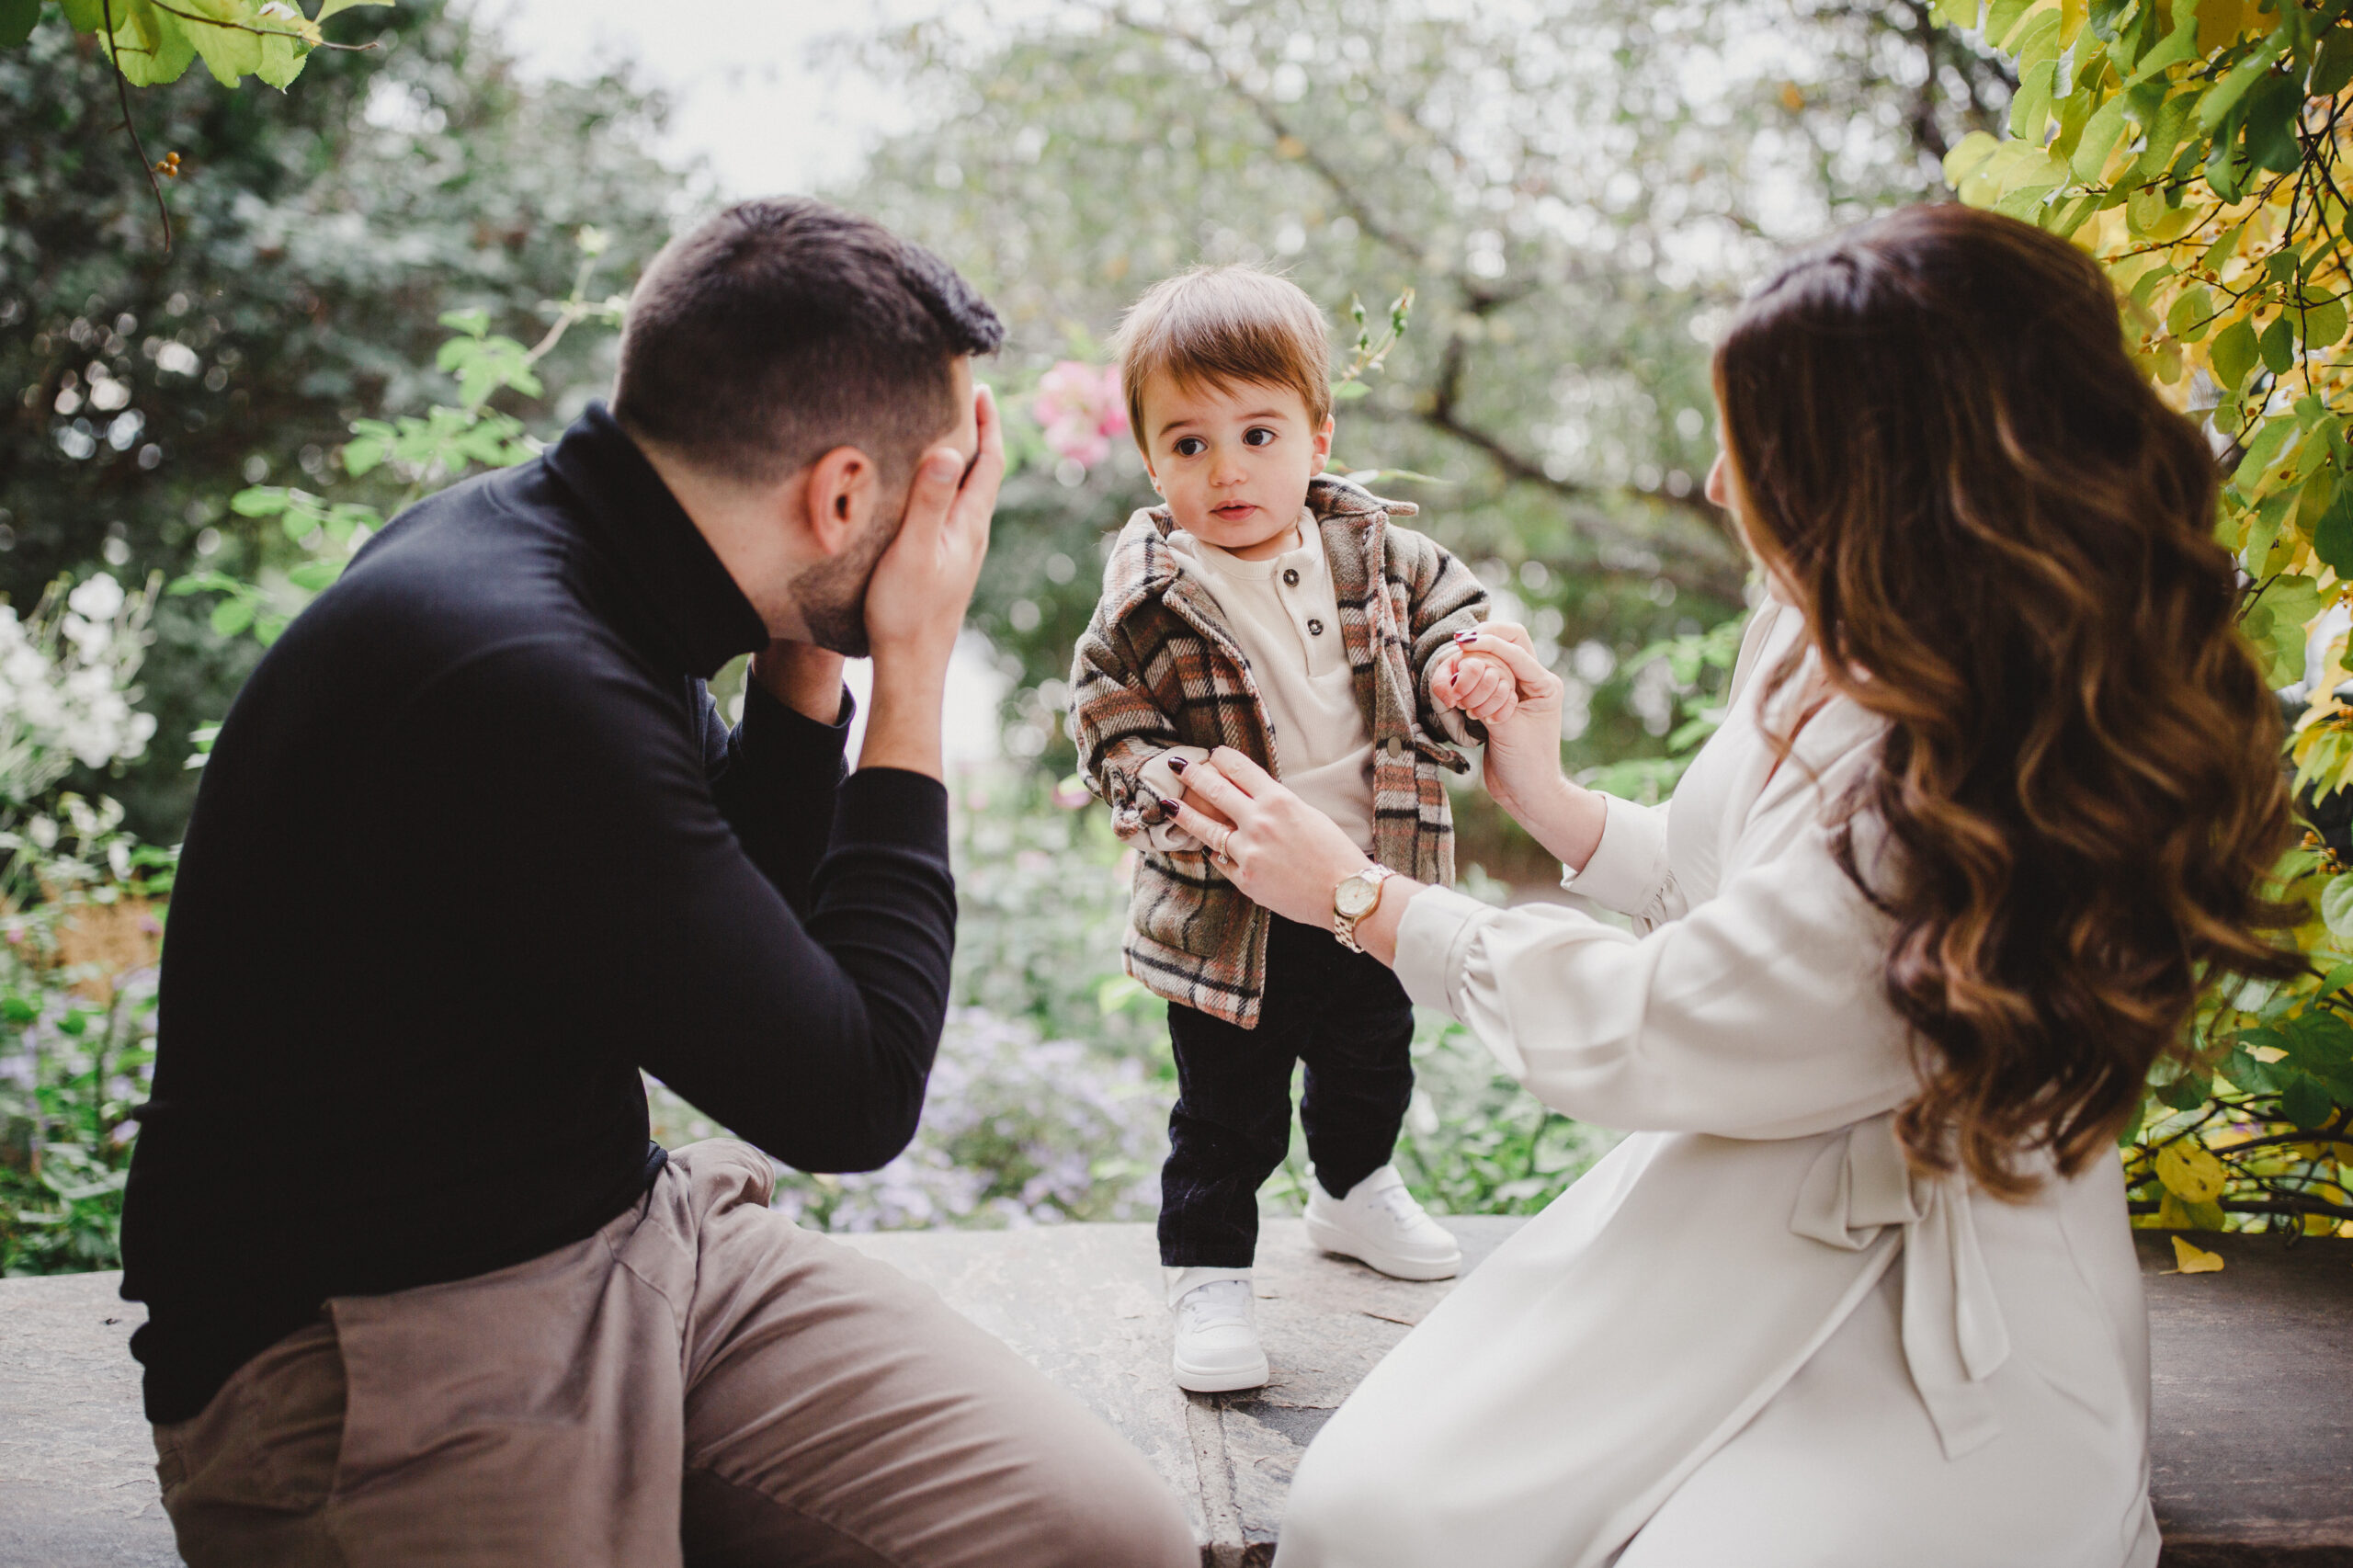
1432, 939
1629, 866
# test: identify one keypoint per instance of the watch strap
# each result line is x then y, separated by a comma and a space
1344, 927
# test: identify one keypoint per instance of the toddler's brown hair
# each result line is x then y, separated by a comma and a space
1224, 326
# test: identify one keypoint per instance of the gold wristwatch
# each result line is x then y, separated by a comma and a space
1353, 900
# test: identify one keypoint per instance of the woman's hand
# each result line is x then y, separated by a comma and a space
1524, 752
1523, 748
1282, 852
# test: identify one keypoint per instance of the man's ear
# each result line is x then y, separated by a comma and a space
838, 498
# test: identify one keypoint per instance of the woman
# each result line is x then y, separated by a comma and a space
1997, 787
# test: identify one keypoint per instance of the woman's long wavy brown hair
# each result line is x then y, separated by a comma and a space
2002, 541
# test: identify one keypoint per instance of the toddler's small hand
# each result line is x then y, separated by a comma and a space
1480, 685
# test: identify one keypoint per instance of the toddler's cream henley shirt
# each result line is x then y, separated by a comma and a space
1285, 615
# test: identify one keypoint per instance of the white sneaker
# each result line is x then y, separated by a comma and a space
1216, 1342
1379, 1224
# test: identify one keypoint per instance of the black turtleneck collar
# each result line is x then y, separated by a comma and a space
696, 605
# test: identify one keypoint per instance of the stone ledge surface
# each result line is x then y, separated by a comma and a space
2252, 1430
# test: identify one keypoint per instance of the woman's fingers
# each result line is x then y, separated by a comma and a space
1510, 646
1237, 767
1209, 829
1213, 786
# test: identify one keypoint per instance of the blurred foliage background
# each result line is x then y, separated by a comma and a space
1577, 190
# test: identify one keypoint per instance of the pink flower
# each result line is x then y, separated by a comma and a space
1071, 793
1081, 410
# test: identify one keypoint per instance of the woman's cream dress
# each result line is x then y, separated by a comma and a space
1748, 1337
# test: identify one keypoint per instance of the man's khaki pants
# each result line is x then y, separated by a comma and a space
700, 1382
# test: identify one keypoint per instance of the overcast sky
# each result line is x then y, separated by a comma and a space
738, 71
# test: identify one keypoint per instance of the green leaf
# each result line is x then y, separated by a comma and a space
2279, 346
2227, 169
260, 501
231, 53
148, 45
2002, 18
2333, 535
2248, 1073
2164, 133
2334, 69
2307, 1102
269, 629
2233, 355
474, 323
2225, 95
2190, 314
362, 457
1347, 392
17, 19
231, 616
2186, 1093
314, 576
2101, 133
2320, 1044
2337, 905
281, 60
299, 524
2272, 110
2178, 46
2031, 107
2323, 324
330, 7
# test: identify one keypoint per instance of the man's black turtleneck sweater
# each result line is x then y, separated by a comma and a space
473, 848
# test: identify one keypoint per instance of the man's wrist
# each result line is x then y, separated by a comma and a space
904, 716
804, 678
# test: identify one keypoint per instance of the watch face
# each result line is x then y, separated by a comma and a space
1354, 896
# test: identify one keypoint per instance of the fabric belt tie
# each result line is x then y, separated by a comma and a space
1954, 1337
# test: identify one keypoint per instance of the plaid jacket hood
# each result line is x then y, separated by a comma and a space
1158, 667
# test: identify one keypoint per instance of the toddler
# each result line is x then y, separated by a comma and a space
1274, 608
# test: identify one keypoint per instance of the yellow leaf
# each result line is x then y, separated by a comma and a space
2267, 1054
2219, 22
2190, 1172
2194, 1259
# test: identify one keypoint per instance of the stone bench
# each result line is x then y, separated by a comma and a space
2252, 1429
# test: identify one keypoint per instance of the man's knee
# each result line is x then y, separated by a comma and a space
1117, 1513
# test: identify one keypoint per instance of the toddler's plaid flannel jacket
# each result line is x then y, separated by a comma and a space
1157, 668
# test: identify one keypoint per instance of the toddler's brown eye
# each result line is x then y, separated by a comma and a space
1258, 435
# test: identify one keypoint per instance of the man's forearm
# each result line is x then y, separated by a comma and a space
902, 727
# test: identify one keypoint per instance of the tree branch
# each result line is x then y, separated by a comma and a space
122, 92
1723, 578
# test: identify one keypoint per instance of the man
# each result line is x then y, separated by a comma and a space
472, 849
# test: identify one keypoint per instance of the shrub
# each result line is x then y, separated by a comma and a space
2196, 153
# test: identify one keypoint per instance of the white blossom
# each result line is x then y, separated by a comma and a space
66, 695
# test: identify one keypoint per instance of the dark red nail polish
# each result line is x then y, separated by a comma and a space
1466, 637
1176, 765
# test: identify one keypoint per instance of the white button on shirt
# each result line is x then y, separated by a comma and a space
1285, 617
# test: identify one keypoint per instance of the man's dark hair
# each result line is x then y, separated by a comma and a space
783, 328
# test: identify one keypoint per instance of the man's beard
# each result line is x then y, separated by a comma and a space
831, 595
